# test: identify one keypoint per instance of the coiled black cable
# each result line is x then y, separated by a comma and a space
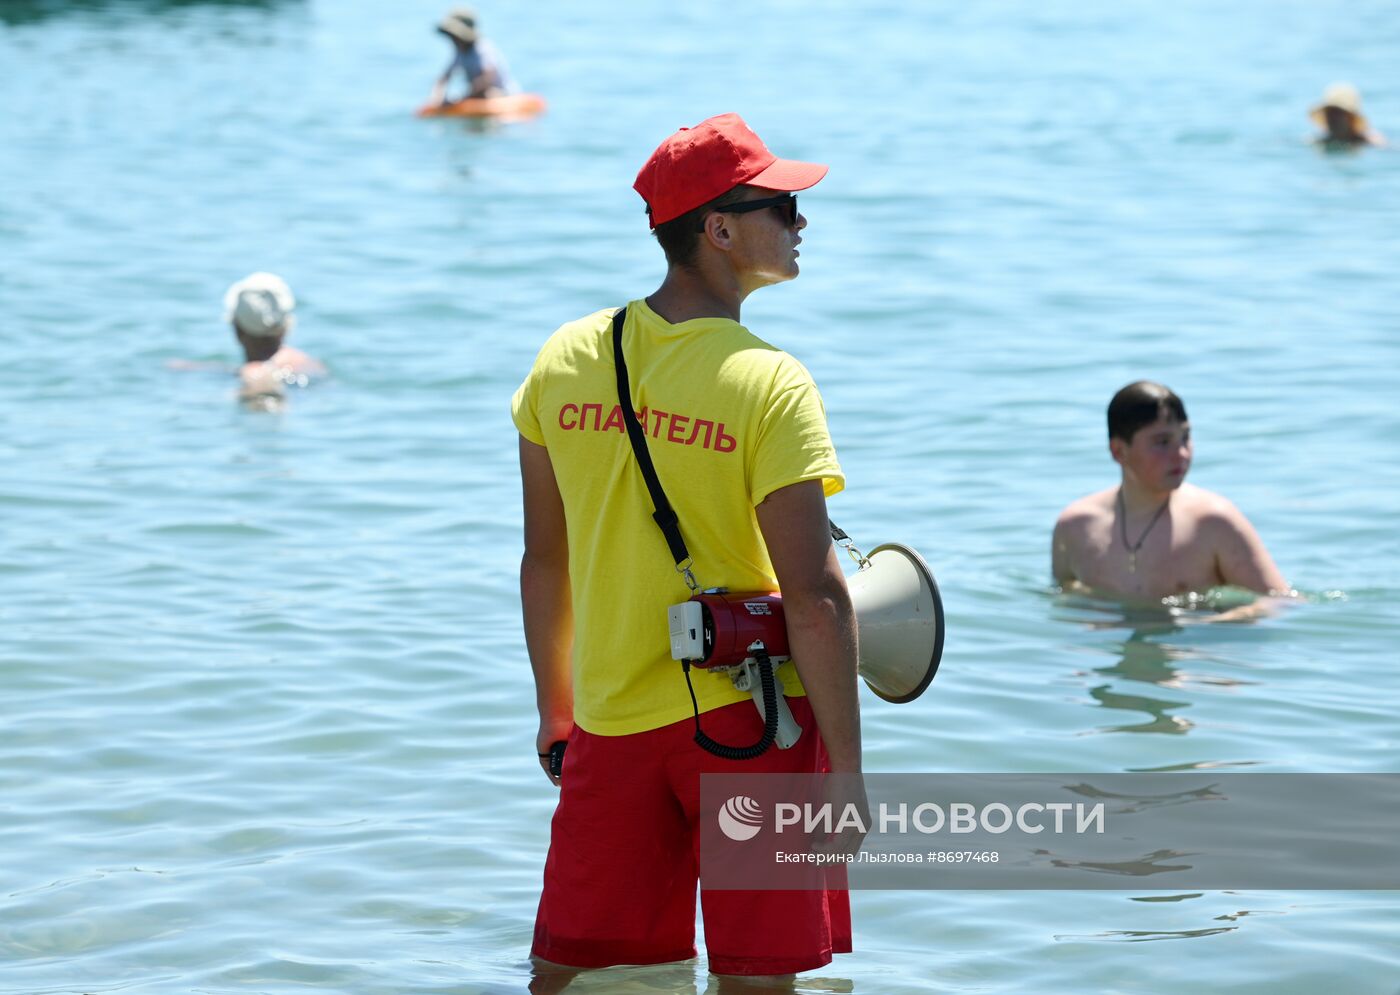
769, 687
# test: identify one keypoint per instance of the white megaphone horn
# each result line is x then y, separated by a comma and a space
899, 615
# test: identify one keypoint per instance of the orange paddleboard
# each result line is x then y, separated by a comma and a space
511, 107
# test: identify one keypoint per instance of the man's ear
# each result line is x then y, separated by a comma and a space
1117, 448
716, 230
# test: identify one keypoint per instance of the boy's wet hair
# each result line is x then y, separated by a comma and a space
1140, 404
680, 237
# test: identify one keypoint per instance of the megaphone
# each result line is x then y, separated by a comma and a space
899, 614
899, 617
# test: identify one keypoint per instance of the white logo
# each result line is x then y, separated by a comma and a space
740, 818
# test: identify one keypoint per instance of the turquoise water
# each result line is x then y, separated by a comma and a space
267, 722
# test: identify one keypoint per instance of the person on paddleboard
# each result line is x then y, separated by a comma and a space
480, 63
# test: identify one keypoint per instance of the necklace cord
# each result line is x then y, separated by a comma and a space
1132, 548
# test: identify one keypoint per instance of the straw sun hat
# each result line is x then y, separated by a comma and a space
460, 23
1342, 96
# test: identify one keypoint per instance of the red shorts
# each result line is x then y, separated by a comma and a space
619, 882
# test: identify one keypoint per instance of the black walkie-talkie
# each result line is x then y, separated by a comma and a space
556, 759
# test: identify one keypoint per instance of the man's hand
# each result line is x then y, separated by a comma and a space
840, 792
551, 732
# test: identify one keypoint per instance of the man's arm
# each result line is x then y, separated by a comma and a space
546, 598
821, 623
298, 362
439, 93
1240, 556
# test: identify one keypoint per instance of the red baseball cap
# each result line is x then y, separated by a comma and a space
698, 164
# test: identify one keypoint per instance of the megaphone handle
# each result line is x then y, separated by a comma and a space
788, 729
839, 536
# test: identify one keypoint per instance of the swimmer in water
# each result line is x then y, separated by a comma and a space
1339, 116
259, 307
1154, 535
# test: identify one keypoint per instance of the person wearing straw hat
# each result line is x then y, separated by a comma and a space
479, 61
259, 307
1339, 116
738, 435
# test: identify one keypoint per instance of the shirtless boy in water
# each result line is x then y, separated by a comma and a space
1155, 535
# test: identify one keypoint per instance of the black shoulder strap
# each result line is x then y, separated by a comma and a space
665, 515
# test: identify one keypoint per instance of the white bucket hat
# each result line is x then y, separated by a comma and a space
260, 304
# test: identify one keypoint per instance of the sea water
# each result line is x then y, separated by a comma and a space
267, 720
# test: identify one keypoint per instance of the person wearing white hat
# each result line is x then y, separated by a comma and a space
1339, 116
259, 307
480, 63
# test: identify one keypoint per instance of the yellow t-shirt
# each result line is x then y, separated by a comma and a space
729, 419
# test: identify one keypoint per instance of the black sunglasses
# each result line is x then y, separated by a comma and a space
785, 204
